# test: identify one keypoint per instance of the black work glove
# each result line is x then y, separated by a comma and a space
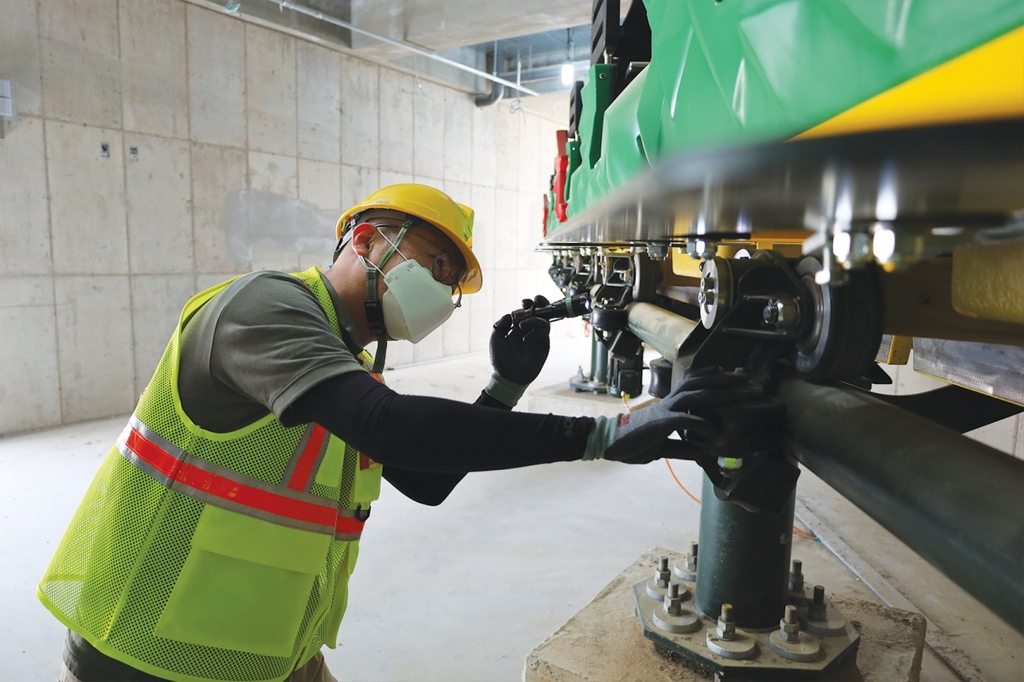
709, 412
518, 352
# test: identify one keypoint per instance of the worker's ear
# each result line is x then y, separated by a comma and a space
362, 236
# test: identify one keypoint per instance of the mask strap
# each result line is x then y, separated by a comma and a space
375, 316
374, 309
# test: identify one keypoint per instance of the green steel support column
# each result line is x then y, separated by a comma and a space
743, 560
598, 359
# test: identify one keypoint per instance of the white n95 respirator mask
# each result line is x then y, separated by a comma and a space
415, 304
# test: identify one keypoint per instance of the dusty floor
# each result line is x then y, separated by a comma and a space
463, 592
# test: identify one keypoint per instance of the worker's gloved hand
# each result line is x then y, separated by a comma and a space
712, 414
518, 352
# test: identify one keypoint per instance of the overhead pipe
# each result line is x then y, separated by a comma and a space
316, 14
497, 89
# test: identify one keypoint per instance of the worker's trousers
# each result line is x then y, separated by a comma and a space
315, 670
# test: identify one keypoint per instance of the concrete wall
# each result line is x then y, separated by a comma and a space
99, 250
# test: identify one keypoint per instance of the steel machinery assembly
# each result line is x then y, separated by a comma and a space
729, 218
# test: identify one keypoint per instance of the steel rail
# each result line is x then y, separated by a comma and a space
958, 503
316, 14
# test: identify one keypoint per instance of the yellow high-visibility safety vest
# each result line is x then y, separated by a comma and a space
214, 556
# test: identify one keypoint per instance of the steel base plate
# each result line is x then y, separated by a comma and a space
765, 662
602, 643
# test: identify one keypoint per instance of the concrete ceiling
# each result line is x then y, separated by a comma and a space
531, 34
445, 24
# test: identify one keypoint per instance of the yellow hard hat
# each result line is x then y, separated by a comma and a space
433, 206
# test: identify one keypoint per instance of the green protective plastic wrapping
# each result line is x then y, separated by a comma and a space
733, 72
584, 184
622, 149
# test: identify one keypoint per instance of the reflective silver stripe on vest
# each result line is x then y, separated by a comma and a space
181, 456
300, 449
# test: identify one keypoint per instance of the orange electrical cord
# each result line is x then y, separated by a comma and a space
674, 478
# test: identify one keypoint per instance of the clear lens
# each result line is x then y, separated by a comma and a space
444, 268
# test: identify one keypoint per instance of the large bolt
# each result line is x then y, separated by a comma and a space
818, 610
790, 626
691, 558
782, 313
706, 295
796, 576
673, 600
662, 575
657, 251
726, 625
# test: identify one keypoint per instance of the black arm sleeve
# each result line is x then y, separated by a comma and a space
428, 487
424, 434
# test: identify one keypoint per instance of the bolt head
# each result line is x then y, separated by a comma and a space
701, 249
787, 313
790, 636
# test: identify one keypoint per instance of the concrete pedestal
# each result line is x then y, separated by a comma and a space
604, 643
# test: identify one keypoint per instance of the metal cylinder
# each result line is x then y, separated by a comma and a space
954, 501
598, 359
661, 330
743, 561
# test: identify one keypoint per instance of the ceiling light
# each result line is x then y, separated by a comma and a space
568, 73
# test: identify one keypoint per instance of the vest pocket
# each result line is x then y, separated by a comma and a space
244, 586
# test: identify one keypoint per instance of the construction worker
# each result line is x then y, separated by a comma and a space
217, 538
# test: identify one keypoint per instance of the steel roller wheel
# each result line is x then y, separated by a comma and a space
846, 328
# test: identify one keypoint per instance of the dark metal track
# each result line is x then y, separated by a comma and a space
956, 502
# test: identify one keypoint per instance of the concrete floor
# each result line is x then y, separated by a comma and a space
463, 592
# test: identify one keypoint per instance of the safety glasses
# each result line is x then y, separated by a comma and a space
443, 267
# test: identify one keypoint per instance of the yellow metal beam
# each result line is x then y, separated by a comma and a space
984, 83
988, 281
